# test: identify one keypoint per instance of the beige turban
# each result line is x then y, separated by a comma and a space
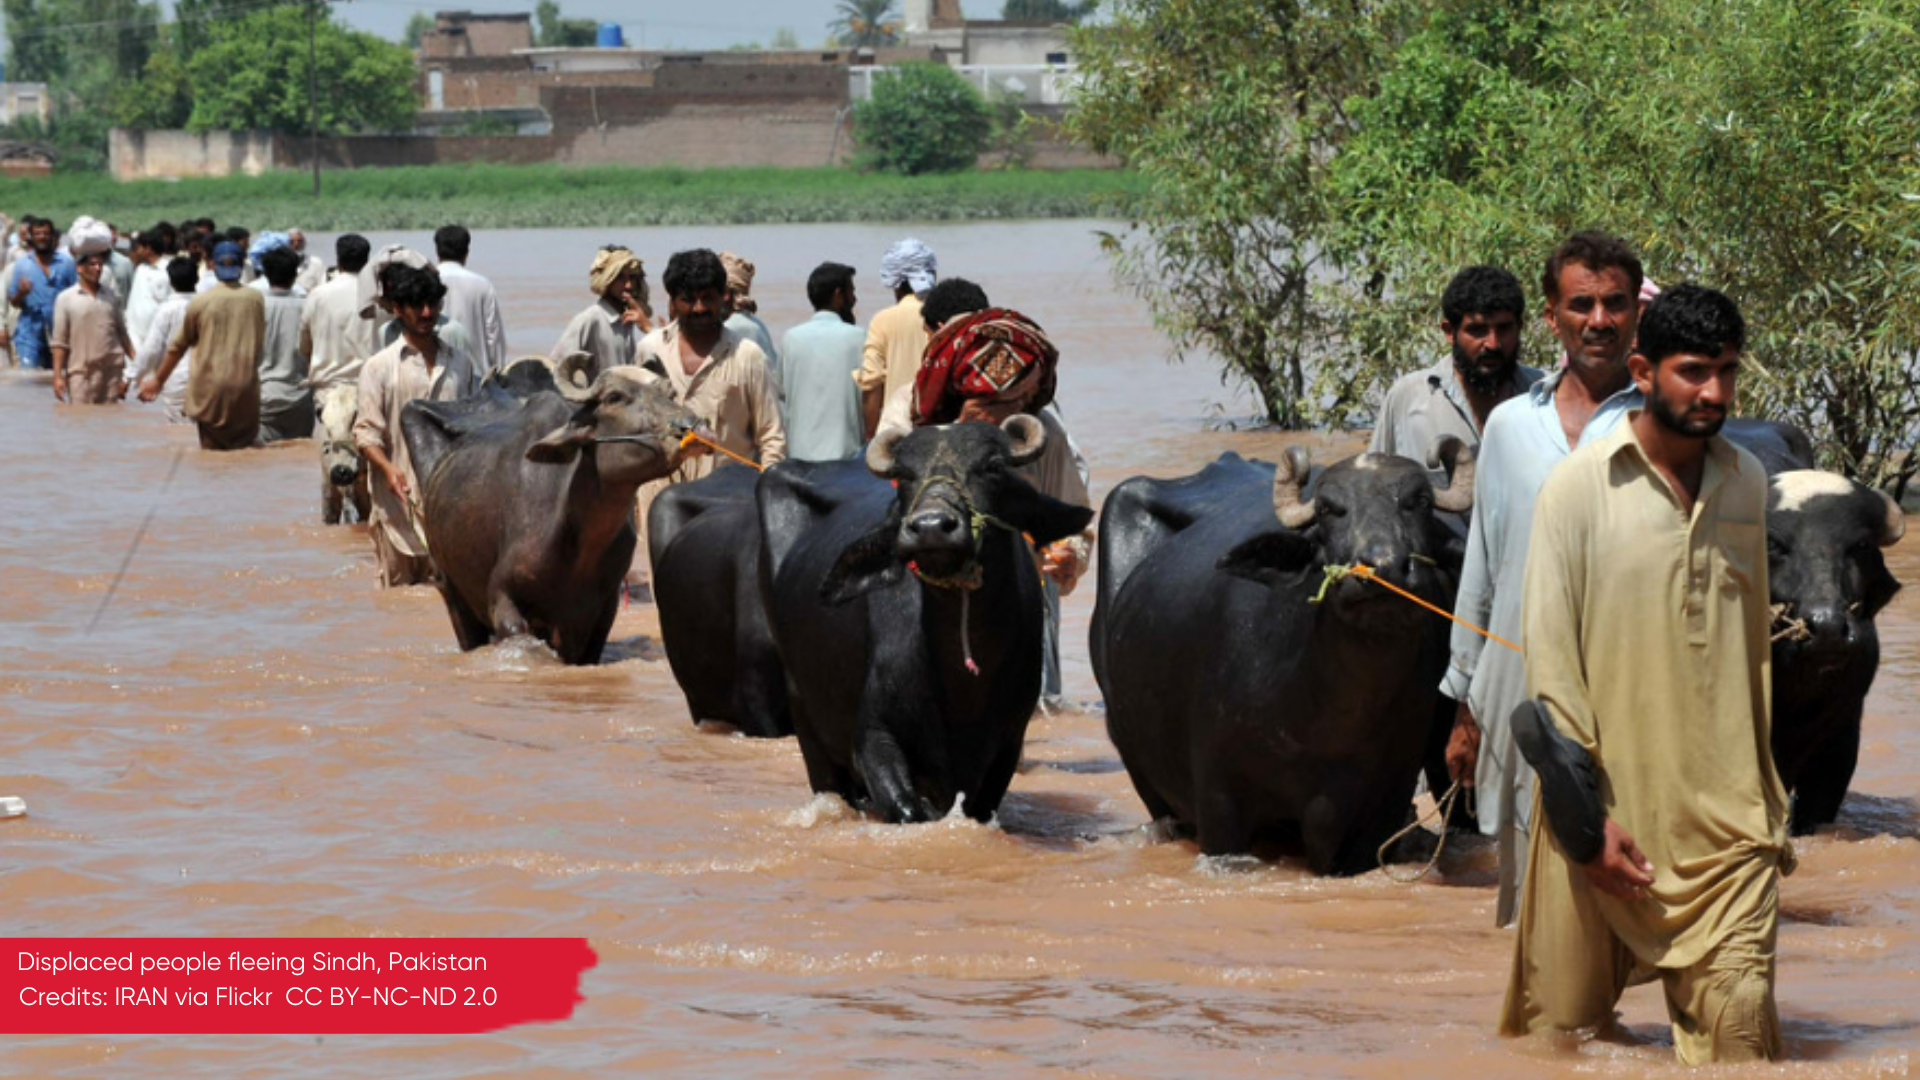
739, 281
608, 264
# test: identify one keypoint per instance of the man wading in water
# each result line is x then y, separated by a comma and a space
1592, 285
421, 364
1647, 626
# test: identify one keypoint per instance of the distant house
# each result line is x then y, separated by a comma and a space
467, 34
23, 99
939, 25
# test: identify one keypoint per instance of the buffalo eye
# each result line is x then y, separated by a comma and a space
1326, 507
1417, 500
613, 397
1776, 551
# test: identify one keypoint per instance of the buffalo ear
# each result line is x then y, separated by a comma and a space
1881, 585
868, 563
1046, 519
562, 444
1267, 556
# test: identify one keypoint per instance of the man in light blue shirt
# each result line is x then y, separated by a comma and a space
816, 377
1592, 286
39, 277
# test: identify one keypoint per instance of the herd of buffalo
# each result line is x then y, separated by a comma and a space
889, 612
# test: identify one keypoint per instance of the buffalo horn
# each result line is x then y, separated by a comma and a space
1029, 436
1457, 458
880, 451
570, 375
1895, 526
1288, 475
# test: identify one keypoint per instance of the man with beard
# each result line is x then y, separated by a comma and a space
1647, 626
1480, 318
717, 374
38, 279
816, 382
1592, 285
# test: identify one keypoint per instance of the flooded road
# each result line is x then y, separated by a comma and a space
249, 739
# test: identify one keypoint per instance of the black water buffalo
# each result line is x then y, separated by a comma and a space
703, 539
1243, 709
909, 617
1828, 581
528, 493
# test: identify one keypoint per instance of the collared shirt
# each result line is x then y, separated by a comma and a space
749, 326
601, 333
896, 340
1522, 443
822, 406
153, 348
265, 288
283, 368
392, 377
335, 338
1647, 640
92, 331
446, 329
1424, 405
45, 284
473, 303
732, 391
224, 327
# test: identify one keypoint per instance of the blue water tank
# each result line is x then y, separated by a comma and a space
610, 37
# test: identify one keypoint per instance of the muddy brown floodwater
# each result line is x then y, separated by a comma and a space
253, 741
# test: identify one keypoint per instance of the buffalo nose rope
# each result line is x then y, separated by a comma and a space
1444, 805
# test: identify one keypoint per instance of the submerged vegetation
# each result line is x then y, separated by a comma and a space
553, 196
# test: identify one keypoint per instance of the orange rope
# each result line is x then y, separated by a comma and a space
1362, 570
695, 437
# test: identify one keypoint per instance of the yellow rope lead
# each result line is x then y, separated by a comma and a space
695, 437
1362, 570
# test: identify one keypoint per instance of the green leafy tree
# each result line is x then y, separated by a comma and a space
785, 38
195, 20
419, 25
252, 75
1316, 174
34, 47
1047, 10
1759, 146
555, 32
1232, 112
922, 118
865, 24
162, 97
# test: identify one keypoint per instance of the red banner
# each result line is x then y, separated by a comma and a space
319, 986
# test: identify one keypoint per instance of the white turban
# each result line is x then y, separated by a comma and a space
912, 262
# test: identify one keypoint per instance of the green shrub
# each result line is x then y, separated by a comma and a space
922, 118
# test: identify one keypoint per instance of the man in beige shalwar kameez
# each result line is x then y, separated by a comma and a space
419, 364
717, 374
1646, 613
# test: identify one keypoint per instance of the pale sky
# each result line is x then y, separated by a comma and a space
653, 24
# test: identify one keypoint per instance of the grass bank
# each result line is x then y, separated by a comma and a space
552, 196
